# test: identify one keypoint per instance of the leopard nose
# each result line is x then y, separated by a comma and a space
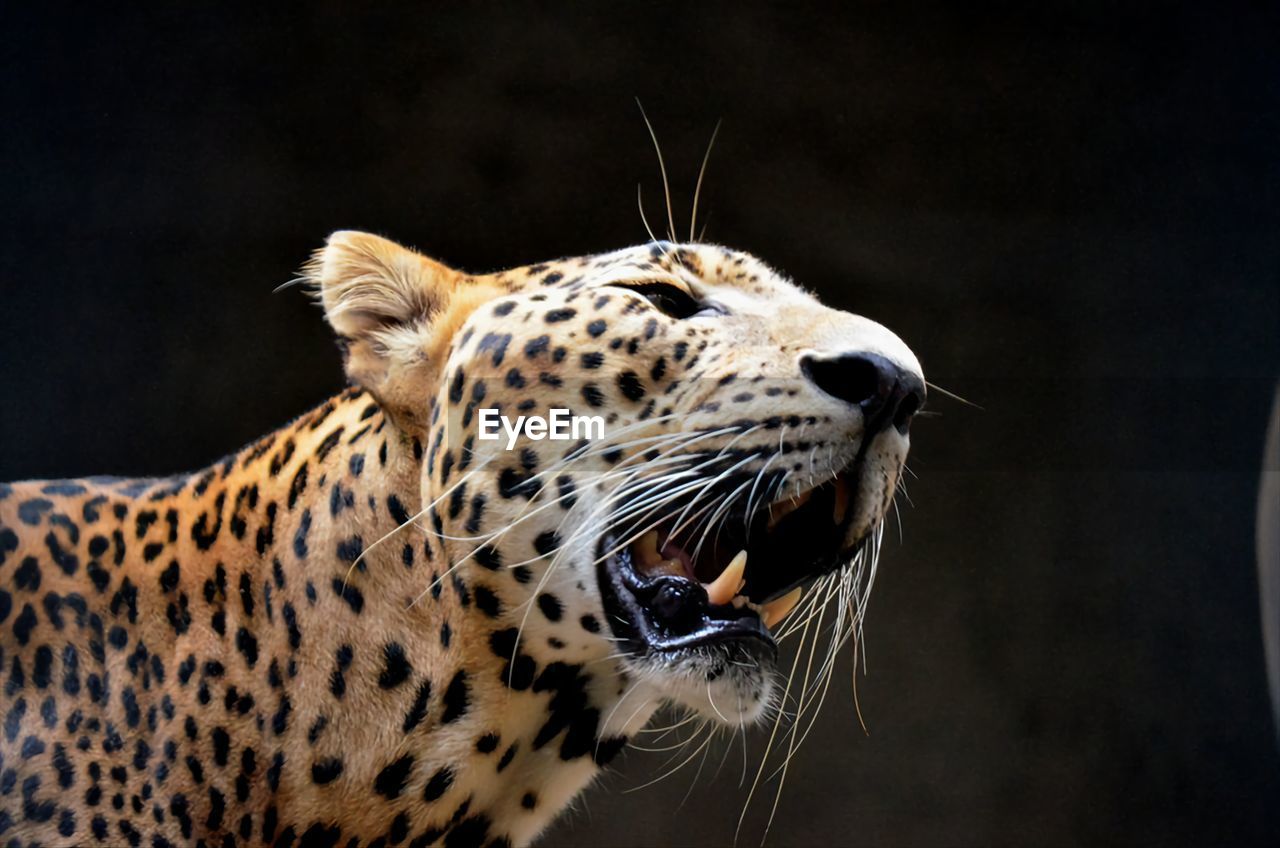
886, 393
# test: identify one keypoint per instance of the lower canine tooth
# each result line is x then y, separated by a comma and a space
774, 611
723, 588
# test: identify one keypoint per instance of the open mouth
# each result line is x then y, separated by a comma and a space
679, 583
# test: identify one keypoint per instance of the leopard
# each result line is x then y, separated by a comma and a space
377, 627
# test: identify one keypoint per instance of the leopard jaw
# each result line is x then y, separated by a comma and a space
724, 589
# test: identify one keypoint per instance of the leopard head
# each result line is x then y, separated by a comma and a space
726, 453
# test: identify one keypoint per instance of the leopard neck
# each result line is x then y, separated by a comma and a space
325, 667
416, 686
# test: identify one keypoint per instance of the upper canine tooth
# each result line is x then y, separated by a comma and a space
841, 507
776, 610
723, 588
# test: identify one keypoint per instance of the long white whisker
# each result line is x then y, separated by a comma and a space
697, 189
662, 166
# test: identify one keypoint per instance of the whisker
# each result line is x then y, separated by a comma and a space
643, 218
952, 395
697, 189
662, 166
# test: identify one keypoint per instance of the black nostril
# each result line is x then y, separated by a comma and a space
886, 393
907, 407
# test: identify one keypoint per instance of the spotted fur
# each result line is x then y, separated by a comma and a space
348, 632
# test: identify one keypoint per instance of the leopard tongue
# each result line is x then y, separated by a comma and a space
652, 562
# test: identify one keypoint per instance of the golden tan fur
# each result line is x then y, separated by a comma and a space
359, 626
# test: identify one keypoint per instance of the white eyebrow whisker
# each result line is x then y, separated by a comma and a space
697, 189
662, 167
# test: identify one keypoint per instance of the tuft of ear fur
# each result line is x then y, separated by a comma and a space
370, 285
383, 301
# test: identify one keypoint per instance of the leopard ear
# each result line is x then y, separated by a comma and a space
393, 310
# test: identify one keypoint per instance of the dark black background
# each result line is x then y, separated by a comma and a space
1070, 215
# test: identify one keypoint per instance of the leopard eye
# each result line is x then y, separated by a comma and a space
671, 300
